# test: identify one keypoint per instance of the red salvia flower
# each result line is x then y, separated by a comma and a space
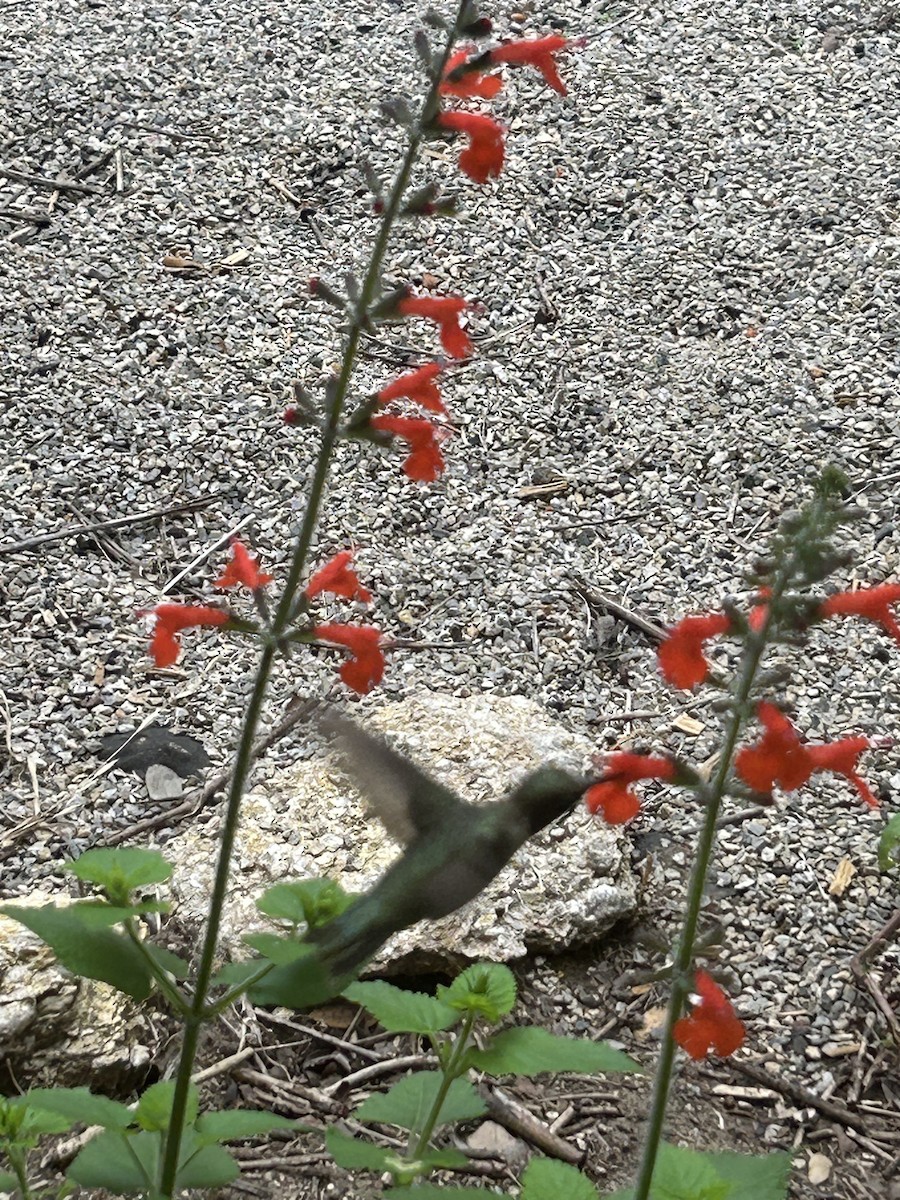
873, 602
365, 667
468, 83
681, 657
170, 620
242, 570
613, 796
446, 311
779, 757
842, 758
536, 52
713, 1023
419, 386
482, 159
425, 462
338, 578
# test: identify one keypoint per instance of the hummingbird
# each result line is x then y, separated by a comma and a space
452, 849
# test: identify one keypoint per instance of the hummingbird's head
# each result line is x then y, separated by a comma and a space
546, 794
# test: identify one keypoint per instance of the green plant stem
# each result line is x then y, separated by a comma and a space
713, 795
451, 1071
166, 986
280, 623
17, 1160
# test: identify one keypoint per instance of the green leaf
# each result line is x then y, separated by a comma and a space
488, 989
409, 1102
278, 949
432, 1191
85, 950
79, 1104
355, 1154
301, 984
155, 1106
889, 844
753, 1176
236, 1123
234, 973
23, 1122
305, 901
8, 1182
209, 1167
530, 1051
547, 1179
119, 871
167, 961
682, 1174
400, 1011
117, 1162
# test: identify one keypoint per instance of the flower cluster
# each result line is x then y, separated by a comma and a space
362, 670
779, 757
683, 661
468, 76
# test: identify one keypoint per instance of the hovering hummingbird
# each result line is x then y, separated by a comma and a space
453, 849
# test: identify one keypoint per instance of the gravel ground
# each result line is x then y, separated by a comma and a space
687, 281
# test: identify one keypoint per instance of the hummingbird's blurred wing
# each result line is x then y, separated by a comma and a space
407, 801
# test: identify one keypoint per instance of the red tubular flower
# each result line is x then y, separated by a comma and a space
426, 462
842, 757
681, 657
242, 570
468, 83
419, 386
779, 757
446, 311
338, 578
483, 157
713, 1023
365, 667
170, 620
873, 602
613, 796
536, 52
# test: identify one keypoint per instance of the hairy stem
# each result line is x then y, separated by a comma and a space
450, 1071
280, 623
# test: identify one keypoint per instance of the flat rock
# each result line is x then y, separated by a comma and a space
566, 887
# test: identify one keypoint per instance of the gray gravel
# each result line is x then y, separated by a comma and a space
714, 215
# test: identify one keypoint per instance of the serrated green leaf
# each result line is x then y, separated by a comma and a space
208, 1167
530, 1050
753, 1176
80, 1104
683, 1174
120, 1163
355, 1154
304, 901
155, 1106
488, 989
237, 1123
278, 949
889, 844
409, 1102
444, 1158
547, 1179
400, 1011
121, 870
86, 950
